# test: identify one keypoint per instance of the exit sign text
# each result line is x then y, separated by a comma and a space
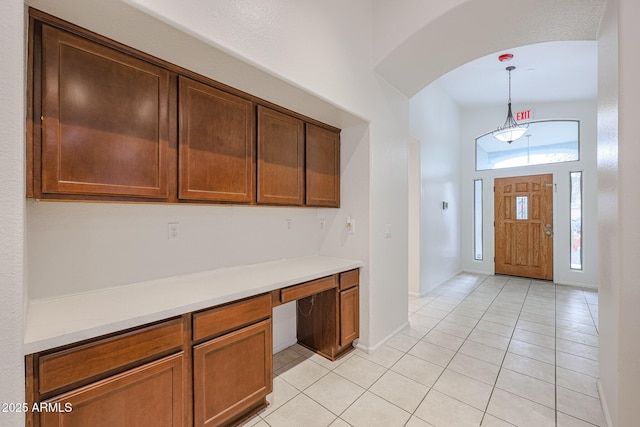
523, 115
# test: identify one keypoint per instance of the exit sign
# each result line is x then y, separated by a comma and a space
523, 115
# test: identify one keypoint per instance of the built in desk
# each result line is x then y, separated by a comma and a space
181, 351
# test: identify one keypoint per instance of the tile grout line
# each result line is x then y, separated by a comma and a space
457, 351
505, 356
448, 293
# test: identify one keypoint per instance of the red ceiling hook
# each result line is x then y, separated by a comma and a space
505, 57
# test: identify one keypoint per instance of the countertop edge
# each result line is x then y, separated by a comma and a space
44, 333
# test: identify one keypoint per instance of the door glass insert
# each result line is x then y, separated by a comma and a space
522, 207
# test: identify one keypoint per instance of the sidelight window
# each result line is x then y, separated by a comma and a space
477, 218
576, 220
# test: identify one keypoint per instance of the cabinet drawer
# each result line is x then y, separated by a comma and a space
108, 356
296, 292
219, 320
151, 395
349, 279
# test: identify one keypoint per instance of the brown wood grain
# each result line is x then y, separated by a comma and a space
302, 290
104, 357
217, 139
106, 120
349, 315
232, 374
281, 154
521, 246
151, 395
225, 318
317, 320
322, 167
349, 278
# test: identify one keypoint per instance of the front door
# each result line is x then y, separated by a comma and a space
524, 226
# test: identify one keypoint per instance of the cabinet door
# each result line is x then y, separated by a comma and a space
105, 120
322, 167
349, 316
280, 158
151, 395
232, 374
216, 144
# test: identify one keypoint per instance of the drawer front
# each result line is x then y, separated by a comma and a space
349, 279
218, 320
232, 374
110, 355
303, 290
150, 395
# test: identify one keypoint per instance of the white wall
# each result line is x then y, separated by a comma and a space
619, 209
303, 56
436, 123
609, 209
414, 216
11, 207
79, 247
478, 121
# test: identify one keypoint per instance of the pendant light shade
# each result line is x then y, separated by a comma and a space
511, 130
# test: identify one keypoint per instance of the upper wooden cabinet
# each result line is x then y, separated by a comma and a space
322, 167
217, 139
108, 122
280, 158
105, 120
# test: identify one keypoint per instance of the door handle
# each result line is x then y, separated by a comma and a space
549, 233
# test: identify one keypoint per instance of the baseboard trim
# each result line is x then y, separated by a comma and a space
603, 403
577, 285
373, 349
442, 282
281, 346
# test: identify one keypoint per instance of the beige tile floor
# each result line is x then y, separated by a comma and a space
492, 351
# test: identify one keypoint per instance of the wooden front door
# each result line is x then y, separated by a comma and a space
524, 226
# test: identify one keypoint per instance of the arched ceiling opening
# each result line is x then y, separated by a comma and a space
471, 29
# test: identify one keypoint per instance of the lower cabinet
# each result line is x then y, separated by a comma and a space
232, 374
328, 322
151, 395
212, 367
349, 316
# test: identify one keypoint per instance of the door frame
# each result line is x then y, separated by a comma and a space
491, 200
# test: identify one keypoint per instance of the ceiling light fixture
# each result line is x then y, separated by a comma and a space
511, 130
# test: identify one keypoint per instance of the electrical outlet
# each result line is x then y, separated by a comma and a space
322, 223
351, 225
172, 230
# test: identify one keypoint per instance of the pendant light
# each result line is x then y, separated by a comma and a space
511, 130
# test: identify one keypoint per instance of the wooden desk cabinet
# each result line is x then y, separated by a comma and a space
212, 367
233, 367
328, 322
131, 379
151, 395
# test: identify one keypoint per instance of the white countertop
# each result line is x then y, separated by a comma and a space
67, 319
